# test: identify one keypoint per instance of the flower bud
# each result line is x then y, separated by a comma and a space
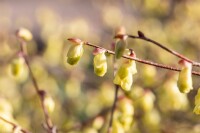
120, 48
100, 64
185, 77
24, 34
49, 104
74, 54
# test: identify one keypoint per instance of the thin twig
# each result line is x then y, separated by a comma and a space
113, 108
143, 61
40, 93
164, 47
116, 92
14, 125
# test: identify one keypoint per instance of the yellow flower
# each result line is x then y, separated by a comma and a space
185, 77
124, 77
74, 54
100, 64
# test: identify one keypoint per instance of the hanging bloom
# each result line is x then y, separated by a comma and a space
197, 103
185, 77
124, 77
100, 63
25, 34
75, 51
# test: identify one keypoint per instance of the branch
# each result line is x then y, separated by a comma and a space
141, 36
14, 125
143, 61
41, 93
113, 108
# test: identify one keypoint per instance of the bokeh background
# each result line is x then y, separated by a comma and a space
77, 92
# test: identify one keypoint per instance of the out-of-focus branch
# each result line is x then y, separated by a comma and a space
14, 125
113, 108
41, 93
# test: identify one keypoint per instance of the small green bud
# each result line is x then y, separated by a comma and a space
120, 48
74, 54
121, 43
185, 77
24, 33
100, 63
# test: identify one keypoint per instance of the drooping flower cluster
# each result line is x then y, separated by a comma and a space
124, 75
185, 77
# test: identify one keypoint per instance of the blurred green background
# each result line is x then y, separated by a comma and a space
77, 92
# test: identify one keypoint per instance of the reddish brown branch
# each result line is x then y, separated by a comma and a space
14, 125
141, 36
143, 61
113, 108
